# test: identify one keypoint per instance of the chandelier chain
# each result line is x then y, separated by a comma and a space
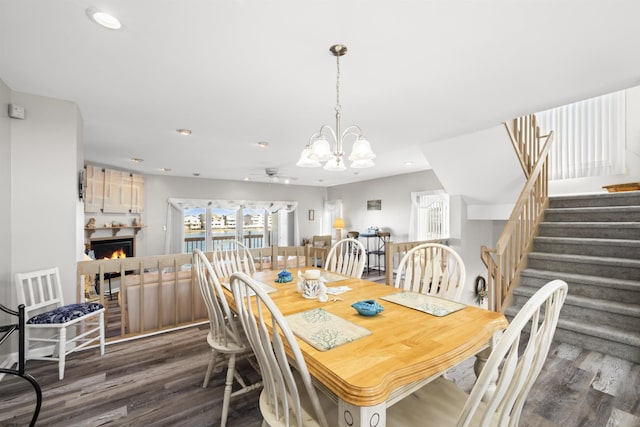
338, 106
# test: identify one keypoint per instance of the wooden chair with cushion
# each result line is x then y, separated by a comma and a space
432, 269
48, 318
347, 257
514, 363
225, 338
236, 258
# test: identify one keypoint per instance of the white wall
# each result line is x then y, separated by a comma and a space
44, 177
5, 212
395, 194
595, 184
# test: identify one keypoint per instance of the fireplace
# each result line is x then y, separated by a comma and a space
113, 247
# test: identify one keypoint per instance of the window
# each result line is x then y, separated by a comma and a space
589, 137
210, 224
429, 218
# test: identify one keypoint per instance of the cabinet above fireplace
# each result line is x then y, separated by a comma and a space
113, 191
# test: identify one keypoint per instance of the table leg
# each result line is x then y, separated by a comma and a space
361, 416
481, 360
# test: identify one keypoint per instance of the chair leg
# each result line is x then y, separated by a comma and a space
231, 368
62, 352
101, 333
212, 364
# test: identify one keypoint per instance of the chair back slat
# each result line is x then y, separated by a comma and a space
223, 329
347, 257
39, 291
269, 334
235, 258
432, 269
516, 369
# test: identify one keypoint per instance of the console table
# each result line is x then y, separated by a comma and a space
376, 246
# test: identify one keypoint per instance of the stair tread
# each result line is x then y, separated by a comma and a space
594, 209
590, 259
589, 240
587, 302
593, 224
583, 278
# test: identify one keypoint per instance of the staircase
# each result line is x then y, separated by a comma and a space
593, 243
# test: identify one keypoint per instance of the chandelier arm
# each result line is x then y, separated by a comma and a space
349, 131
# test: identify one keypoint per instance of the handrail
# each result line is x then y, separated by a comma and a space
505, 263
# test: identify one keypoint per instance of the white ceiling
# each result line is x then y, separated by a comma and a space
241, 71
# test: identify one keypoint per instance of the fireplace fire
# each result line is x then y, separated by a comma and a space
112, 248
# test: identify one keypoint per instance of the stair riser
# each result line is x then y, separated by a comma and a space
589, 232
609, 251
623, 351
589, 290
591, 316
587, 342
615, 216
591, 269
626, 199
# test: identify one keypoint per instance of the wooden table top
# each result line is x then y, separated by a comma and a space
405, 346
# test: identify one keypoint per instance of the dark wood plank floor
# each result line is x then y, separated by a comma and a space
157, 381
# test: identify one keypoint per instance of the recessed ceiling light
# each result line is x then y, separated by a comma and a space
165, 169
287, 181
246, 178
408, 163
103, 18
136, 160
263, 144
184, 131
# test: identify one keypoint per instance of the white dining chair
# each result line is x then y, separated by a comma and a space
236, 257
288, 397
225, 338
511, 367
347, 257
49, 319
432, 269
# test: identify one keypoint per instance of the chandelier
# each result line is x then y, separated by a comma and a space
319, 150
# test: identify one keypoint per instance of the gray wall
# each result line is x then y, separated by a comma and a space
160, 188
395, 194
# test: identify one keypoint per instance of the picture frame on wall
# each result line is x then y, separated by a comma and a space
374, 205
312, 214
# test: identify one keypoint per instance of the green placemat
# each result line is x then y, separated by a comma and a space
331, 277
324, 330
427, 303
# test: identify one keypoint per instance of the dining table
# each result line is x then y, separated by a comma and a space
404, 348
